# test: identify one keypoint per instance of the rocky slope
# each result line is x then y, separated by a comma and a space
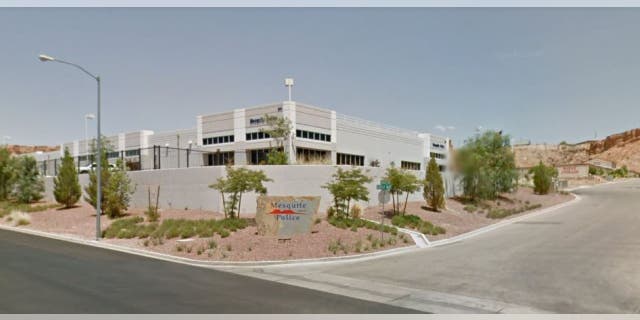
20, 149
620, 148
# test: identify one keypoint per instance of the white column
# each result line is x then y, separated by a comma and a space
289, 112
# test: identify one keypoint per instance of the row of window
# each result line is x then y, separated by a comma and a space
437, 155
220, 158
313, 135
257, 135
438, 145
410, 165
218, 140
349, 159
312, 156
132, 153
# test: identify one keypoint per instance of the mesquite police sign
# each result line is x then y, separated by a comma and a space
285, 216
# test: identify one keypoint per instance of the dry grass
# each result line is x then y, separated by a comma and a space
19, 218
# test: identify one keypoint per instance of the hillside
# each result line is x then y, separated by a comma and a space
20, 149
620, 148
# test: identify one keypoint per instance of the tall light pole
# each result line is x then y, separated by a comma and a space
45, 58
288, 82
87, 117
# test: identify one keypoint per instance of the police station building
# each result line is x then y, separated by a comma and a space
318, 136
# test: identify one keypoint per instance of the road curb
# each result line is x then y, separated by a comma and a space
207, 264
296, 262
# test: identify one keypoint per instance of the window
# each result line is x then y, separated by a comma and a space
313, 135
113, 154
132, 153
256, 121
312, 156
257, 136
442, 168
438, 145
220, 158
438, 155
349, 159
218, 140
410, 165
258, 156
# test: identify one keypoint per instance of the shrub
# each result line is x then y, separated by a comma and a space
118, 192
331, 211
433, 191
8, 168
348, 223
543, 178
152, 212
238, 182
470, 208
356, 211
346, 186
416, 223
29, 185
19, 218
212, 244
487, 165
402, 182
66, 188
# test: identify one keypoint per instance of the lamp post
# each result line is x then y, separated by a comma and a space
89, 116
45, 58
288, 82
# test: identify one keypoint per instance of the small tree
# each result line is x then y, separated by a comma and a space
238, 182
118, 192
66, 188
402, 182
433, 191
543, 178
346, 186
29, 185
278, 128
91, 190
487, 165
7, 173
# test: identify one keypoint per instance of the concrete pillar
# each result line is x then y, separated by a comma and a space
289, 112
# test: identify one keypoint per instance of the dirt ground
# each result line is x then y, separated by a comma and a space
242, 245
457, 221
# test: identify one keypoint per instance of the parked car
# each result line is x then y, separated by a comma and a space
93, 166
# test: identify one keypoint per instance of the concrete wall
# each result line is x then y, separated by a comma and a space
188, 188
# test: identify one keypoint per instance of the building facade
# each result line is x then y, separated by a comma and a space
318, 136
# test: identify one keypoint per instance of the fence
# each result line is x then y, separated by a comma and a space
152, 158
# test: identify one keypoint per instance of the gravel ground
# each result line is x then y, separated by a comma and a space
243, 245
457, 221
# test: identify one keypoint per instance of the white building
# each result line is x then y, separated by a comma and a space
319, 136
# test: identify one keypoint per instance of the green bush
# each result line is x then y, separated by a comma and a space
66, 188
470, 208
349, 223
543, 178
416, 223
172, 228
29, 185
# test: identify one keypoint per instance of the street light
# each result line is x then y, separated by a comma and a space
288, 82
45, 58
89, 116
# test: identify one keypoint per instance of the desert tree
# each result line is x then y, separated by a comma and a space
346, 186
7, 173
433, 191
238, 181
66, 187
487, 165
543, 178
402, 183
29, 185
278, 128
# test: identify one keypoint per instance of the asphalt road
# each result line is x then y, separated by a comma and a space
39, 275
583, 258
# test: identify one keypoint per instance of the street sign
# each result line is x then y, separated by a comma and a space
384, 185
384, 197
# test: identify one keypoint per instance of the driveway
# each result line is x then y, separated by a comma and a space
583, 258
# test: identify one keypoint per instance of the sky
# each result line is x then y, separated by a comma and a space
539, 74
